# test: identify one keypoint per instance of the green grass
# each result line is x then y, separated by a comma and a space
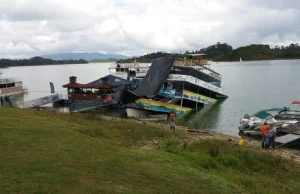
43, 152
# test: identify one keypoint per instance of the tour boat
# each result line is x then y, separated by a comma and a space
10, 85
129, 70
178, 85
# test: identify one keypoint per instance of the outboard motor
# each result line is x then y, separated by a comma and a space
246, 116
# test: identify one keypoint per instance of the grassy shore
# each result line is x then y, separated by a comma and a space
44, 152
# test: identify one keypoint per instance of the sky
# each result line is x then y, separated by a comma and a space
134, 27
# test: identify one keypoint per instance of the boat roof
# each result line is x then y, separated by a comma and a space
296, 102
263, 114
114, 81
92, 86
194, 55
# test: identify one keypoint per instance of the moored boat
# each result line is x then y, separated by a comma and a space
281, 117
129, 71
11, 86
103, 92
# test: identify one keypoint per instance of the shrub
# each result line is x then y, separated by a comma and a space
248, 183
214, 151
170, 145
210, 164
230, 161
295, 185
248, 157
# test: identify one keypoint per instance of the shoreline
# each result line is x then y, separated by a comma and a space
277, 59
198, 135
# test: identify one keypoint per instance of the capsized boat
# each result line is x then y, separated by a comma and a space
185, 83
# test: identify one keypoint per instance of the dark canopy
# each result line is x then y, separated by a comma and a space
152, 82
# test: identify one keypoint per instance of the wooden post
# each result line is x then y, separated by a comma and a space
182, 94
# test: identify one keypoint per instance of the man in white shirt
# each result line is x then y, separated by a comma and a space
272, 135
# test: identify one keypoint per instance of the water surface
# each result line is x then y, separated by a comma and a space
251, 86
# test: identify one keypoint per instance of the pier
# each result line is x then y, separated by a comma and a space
42, 101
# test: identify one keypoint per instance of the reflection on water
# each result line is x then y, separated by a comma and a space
206, 118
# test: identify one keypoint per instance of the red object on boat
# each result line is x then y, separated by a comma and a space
296, 102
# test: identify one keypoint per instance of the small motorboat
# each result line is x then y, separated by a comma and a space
271, 116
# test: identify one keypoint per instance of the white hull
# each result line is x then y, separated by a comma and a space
144, 115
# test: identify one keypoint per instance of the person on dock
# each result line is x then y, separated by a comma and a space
6, 99
11, 100
172, 120
265, 135
1, 101
272, 135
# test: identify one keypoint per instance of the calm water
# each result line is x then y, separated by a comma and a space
251, 86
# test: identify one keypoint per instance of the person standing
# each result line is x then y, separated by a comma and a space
1, 101
11, 100
172, 120
265, 135
6, 99
272, 135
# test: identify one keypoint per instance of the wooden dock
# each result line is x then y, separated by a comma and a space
292, 129
290, 134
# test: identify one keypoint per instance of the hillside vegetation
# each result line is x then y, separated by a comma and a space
44, 152
35, 61
225, 52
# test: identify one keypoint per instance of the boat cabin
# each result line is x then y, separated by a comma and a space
10, 86
102, 93
194, 59
129, 71
103, 90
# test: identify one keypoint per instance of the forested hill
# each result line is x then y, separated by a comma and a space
225, 52
35, 61
262, 52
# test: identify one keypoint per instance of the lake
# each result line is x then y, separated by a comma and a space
251, 86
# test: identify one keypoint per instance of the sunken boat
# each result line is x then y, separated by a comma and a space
178, 85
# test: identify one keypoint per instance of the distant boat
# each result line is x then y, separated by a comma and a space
241, 60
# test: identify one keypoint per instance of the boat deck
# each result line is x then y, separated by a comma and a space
291, 129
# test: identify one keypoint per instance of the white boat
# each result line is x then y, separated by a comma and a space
129, 71
282, 117
145, 115
10, 85
241, 60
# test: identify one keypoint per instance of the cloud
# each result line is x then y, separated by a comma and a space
133, 27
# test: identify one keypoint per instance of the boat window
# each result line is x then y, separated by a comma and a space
70, 90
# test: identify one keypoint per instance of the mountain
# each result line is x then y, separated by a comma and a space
35, 61
84, 56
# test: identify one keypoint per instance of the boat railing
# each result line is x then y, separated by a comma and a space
9, 80
126, 65
204, 66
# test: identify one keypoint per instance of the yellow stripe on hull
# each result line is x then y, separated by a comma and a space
147, 102
198, 97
